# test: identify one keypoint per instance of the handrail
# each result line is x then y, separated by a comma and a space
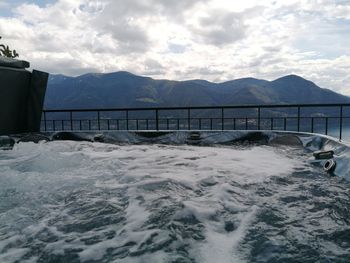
243, 106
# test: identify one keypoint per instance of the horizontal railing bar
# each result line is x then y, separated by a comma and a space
203, 107
199, 118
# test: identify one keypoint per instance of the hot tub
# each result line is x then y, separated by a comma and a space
173, 197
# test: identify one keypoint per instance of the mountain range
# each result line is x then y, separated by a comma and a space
123, 89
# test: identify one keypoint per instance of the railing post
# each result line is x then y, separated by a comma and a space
258, 118
298, 118
312, 124
71, 120
189, 118
222, 119
53, 125
271, 124
341, 123
326, 125
157, 119
98, 120
285, 123
234, 123
127, 119
45, 127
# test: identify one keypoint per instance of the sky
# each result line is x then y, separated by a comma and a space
216, 40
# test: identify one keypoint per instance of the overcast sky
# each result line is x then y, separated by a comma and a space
216, 40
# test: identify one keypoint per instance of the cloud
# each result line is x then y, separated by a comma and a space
175, 10
339, 9
220, 27
211, 39
152, 67
177, 48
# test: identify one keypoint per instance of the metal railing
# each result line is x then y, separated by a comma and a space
320, 118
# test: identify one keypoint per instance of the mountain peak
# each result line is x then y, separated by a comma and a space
122, 72
292, 77
293, 80
118, 73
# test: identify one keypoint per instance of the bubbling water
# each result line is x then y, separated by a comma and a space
93, 202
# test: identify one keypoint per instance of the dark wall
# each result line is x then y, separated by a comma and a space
21, 99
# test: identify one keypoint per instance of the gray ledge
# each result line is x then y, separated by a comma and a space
13, 63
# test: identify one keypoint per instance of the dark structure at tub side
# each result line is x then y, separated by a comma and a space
21, 97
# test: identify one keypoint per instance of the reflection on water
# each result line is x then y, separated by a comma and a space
91, 202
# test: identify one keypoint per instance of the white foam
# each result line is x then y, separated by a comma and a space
13, 254
44, 174
221, 246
